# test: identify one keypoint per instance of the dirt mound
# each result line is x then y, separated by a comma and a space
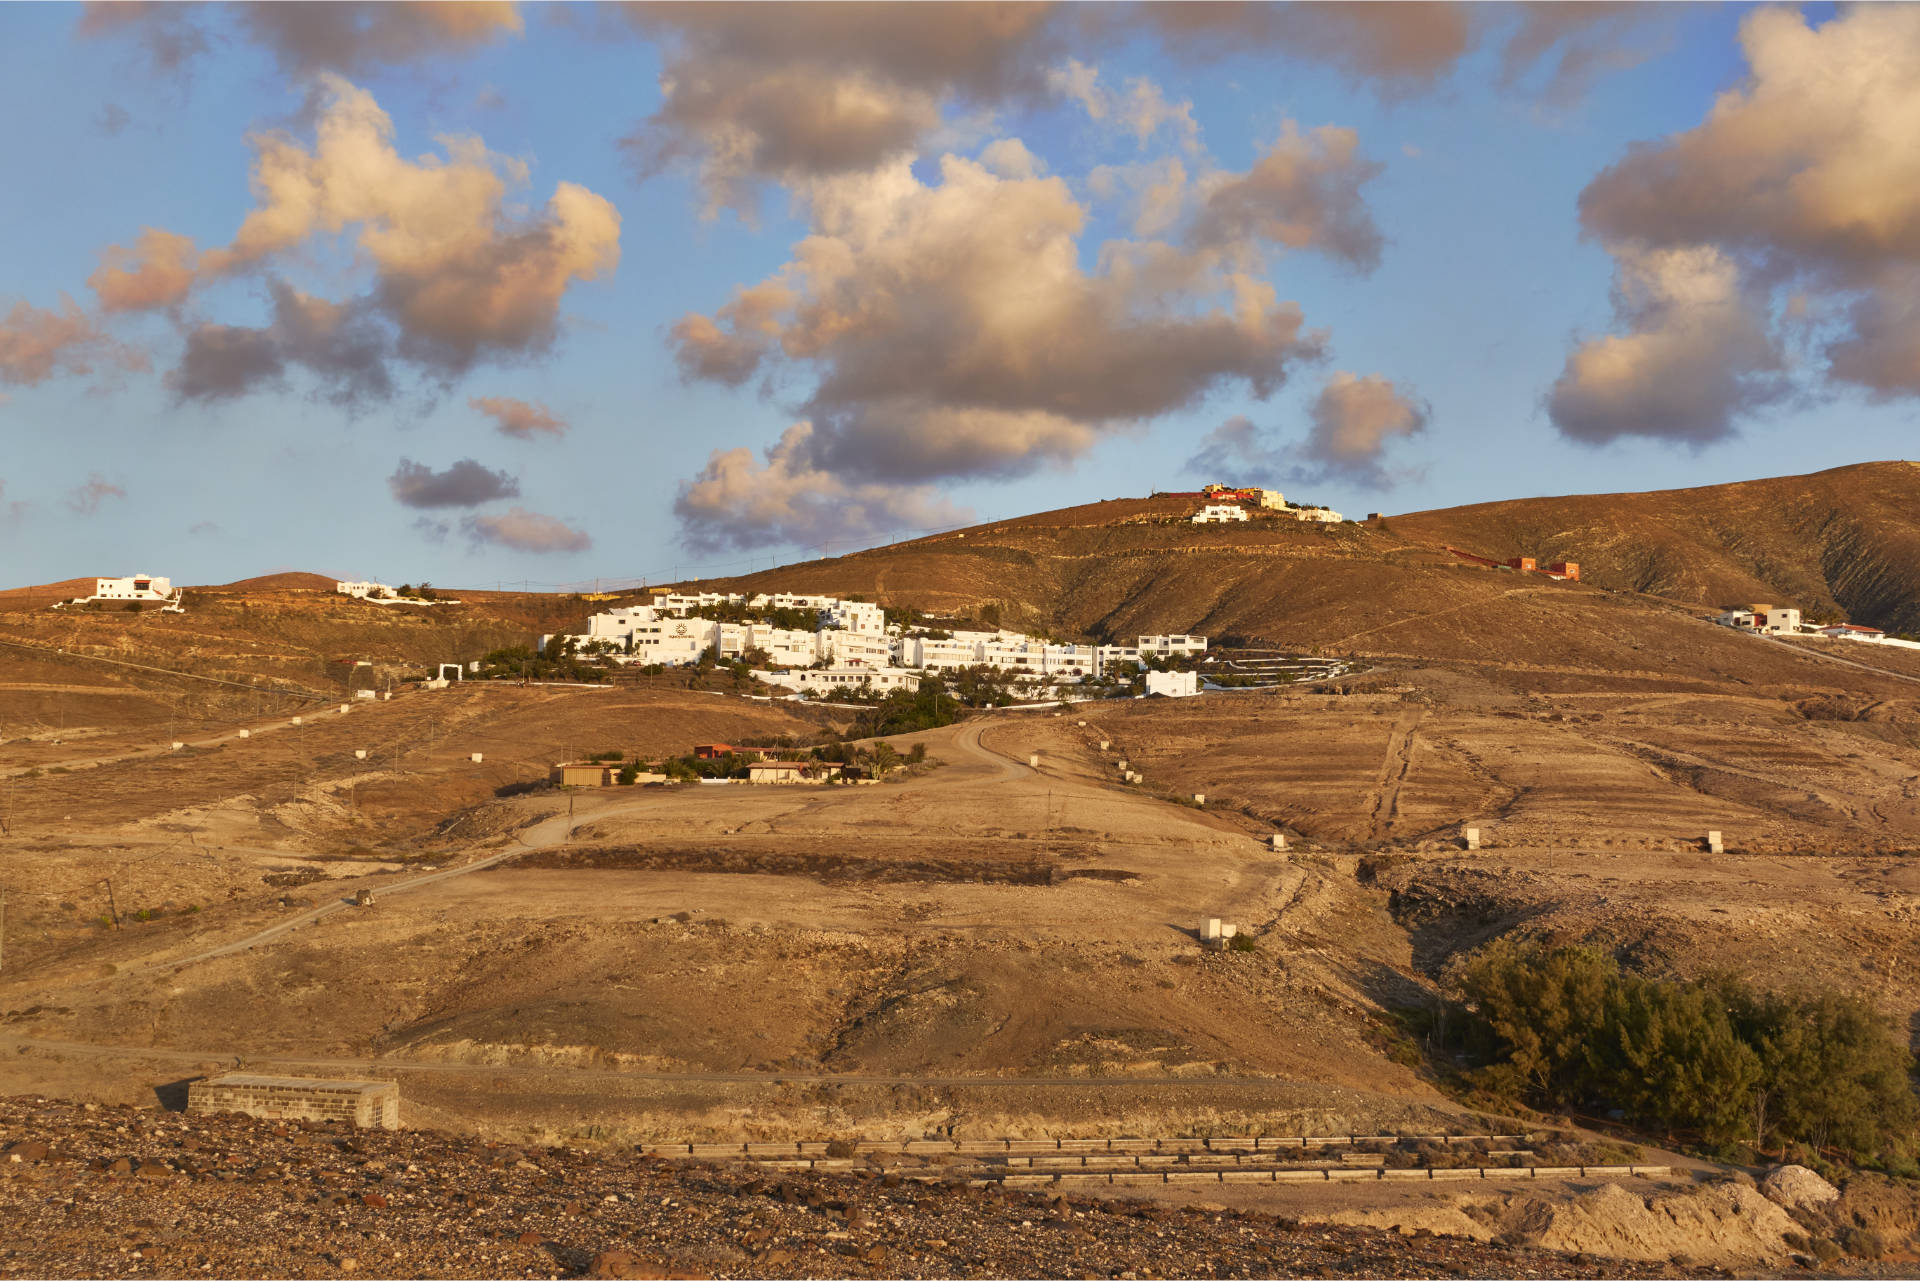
290, 581
1795, 1187
1723, 1224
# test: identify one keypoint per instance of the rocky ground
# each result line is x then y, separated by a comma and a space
93, 1191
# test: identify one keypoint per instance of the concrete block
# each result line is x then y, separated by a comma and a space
1714, 844
1470, 1172
343, 709
1123, 766
1192, 1176
1274, 1143
1406, 1174
1471, 837
367, 1104
1246, 1176
664, 1149
294, 721
1181, 1145
1135, 1180
980, 1147
773, 1149
811, 1147
174, 747
1085, 1145
1105, 743
1147, 1160
1199, 798
1652, 1171
475, 758
1057, 1162
1605, 1171
387, 697
359, 753
1352, 1176
1081, 724
1026, 1180
1279, 840
1033, 1145
929, 1147
1556, 1171
243, 734
1209, 928
831, 1165
1227, 931
1033, 761
1299, 1176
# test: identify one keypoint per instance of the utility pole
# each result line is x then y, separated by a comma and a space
113, 912
570, 797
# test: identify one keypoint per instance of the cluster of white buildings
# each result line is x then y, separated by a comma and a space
851, 645
1771, 621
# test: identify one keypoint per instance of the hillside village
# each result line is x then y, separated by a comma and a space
815, 644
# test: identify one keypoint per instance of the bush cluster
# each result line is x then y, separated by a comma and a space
1567, 1028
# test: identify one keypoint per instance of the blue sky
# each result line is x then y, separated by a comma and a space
1469, 329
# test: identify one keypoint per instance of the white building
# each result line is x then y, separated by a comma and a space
141, 587
843, 680
937, 655
364, 591
1173, 684
1069, 660
1107, 657
1219, 514
789, 600
680, 603
1166, 646
1273, 500
855, 616
1762, 618
672, 641
850, 648
1325, 515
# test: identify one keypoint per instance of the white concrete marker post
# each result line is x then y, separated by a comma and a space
1033, 761
475, 758
177, 746
1199, 798
1472, 838
1714, 844
243, 734
294, 721
359, 753
1279, 840
1209, 928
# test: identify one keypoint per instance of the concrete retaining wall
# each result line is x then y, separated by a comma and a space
368, 1104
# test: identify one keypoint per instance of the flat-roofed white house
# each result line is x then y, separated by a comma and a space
1173, 684
1219, 514
1325, 515
364, 591
843, 680
140, 587
1170, 645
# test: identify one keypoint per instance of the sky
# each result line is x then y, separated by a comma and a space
493, 294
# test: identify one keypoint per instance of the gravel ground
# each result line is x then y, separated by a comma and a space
101, 1191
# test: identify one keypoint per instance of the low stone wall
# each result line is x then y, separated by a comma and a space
368, 1104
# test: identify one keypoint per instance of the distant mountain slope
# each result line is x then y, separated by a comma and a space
1840, 544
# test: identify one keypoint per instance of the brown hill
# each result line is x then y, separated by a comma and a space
290, 581
1841, 544
66, 589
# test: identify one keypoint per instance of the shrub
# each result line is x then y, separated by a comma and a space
1241, 943
1567, 1027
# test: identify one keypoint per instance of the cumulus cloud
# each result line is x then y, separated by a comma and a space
1400, 47
349, 36
950, 331
737, 502
1695, 358
1303, 193
1801, 179
36, 343
1141, 109
1355, 420
465, 484
526, 531
340, 344
1577, 43
792, 92
86, 499
458, 277
521, 418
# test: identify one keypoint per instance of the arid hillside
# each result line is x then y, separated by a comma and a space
1841, 544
